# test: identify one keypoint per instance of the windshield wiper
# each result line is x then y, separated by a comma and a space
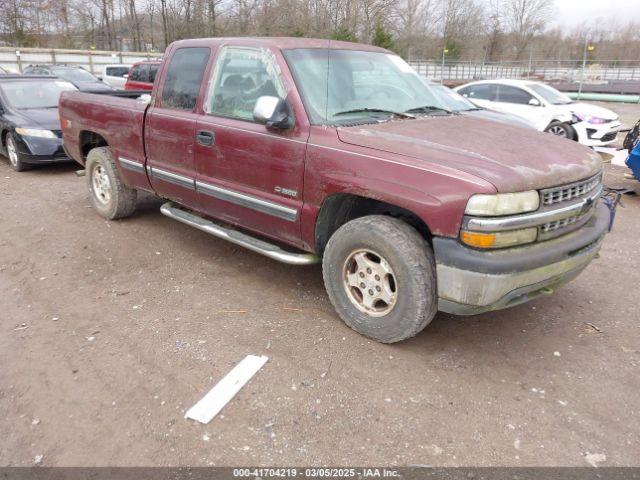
428, 108
375, 110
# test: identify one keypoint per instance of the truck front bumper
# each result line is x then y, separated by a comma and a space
473, 281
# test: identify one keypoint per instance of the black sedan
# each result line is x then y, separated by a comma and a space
78, 76
29, 125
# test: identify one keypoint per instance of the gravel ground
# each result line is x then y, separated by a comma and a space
111, 330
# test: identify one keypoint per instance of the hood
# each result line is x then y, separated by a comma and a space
92, 86
588, 110
511, 158
499, 117
45, 118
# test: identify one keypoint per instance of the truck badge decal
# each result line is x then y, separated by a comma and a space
286, 191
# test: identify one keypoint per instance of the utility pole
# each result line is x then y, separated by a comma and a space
444, 52
584, 65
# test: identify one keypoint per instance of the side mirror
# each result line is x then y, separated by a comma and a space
534, 102
273, 112
99, 77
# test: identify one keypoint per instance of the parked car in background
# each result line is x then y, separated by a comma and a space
78, 76
29, 124
142, 75
459, 104
115, 75
316, 150
551, 110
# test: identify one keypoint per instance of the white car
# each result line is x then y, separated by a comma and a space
547, 108
116, 75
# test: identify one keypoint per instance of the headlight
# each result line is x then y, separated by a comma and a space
499, 239
589, 119
32, 132
503, 204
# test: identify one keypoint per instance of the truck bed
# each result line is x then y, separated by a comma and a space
116, 118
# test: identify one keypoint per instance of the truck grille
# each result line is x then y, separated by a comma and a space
558, 224
552, 196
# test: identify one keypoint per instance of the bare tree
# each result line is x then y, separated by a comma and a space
525, 19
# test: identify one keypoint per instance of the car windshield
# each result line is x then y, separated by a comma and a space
34, 94
550, 94
74, 74
347, 86
453, 100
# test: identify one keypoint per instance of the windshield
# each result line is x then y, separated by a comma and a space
34, 94
550, 94
453, 100
74, 74
347, 86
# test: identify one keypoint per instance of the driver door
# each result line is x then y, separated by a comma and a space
249, 174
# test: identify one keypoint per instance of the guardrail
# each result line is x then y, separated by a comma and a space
16, 59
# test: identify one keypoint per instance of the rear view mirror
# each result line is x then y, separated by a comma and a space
273, 112
534, 102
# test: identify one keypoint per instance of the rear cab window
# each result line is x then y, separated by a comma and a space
139, 73
183, 79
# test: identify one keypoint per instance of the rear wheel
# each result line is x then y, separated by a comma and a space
379, 273
109, 195
560, 129
14, 155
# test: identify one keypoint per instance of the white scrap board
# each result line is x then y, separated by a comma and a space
214, 401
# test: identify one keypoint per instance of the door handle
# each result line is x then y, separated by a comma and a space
205, 138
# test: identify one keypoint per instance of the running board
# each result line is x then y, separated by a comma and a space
259, 246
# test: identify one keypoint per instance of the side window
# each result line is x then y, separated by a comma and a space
509, 94
484, 91
242, 75
138, 73
153, 70
184, 77
116, 71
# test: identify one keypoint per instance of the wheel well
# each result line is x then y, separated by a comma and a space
341, 208
90, 140
3, 138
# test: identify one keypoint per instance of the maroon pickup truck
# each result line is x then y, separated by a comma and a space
310, 150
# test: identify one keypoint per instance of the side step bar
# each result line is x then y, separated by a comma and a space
259, 246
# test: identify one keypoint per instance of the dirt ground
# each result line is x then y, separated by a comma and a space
111, 330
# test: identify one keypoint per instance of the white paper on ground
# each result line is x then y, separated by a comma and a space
214, 401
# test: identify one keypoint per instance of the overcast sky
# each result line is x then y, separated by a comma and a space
570, 13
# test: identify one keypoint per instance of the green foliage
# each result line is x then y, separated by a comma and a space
297, 33
382, 38
344, 34
452, 50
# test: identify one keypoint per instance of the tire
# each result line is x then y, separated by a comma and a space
389, 244
15, 158
110, 197
560, 129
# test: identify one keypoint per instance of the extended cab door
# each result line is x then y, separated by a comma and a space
171, 124
247, 173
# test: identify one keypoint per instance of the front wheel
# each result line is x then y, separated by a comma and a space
110, 197
380, 276
560, 129
14, 155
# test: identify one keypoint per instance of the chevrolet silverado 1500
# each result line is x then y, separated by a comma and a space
320, 151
